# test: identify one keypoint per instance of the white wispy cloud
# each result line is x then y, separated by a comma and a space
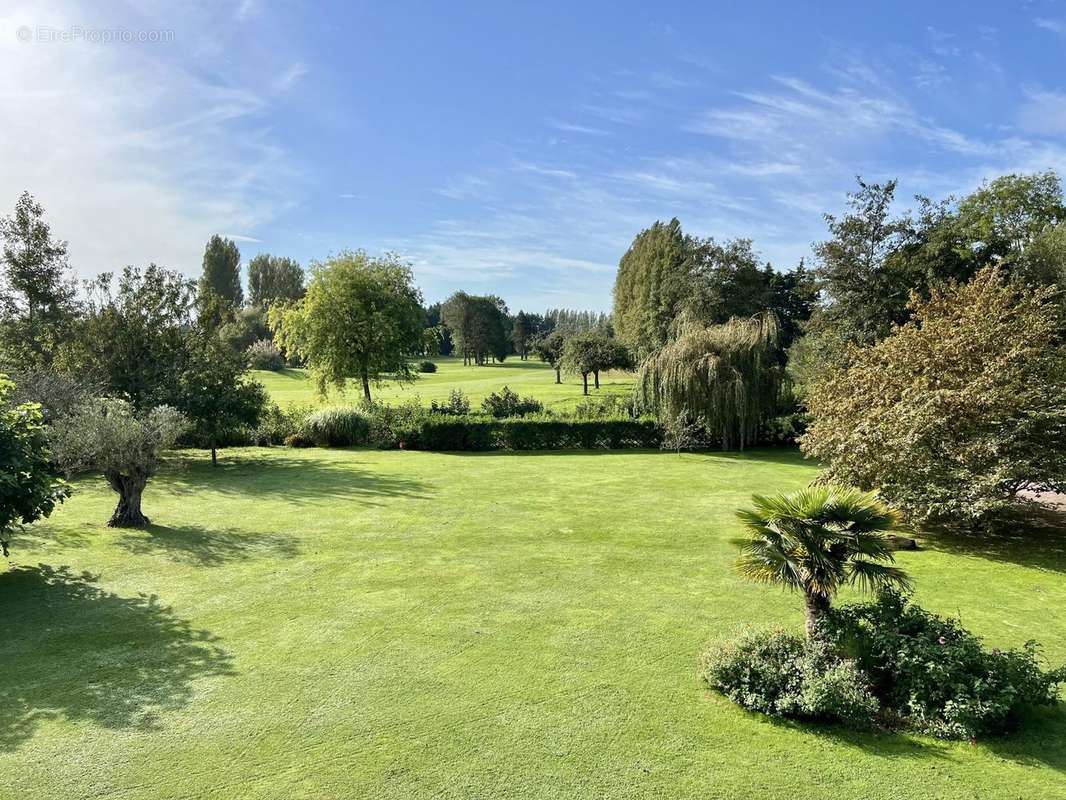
136, 155
573, 127
1054, 25
290, 76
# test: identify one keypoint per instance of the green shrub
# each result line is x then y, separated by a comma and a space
337, 427
783, 675
264, 354
611, 406
935, 675
389, 425
277, 424
456, 405
507, 403
427, 366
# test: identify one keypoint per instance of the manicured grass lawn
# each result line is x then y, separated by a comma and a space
335, 624
292, 386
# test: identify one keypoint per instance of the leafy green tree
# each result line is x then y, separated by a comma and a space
133, 338
112, 436
434, 322
523, 329
215, 395
724, 377
222, 271
859, 267
478, 325
956, 412
274, 278
591, 352
549, 349
996, 225
246, 327
654, 283
815, 541
361, 317
30, 489
793, 296
38, 301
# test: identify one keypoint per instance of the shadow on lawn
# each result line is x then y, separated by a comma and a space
1039, 741
1035, 539
786, 456
73, 650
298, 476
205, 547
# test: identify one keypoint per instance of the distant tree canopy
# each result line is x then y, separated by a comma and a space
37, 298
654, 283
360, 318
549, 348
951, 415
668, 280
872, 261
479, 324
273, 278
593, 351
133, 336
724, 377
213, 392
222, 271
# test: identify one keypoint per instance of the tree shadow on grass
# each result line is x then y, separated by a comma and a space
205, 547
786, 456
299, 476
1034, 538
1040, 740
72, 650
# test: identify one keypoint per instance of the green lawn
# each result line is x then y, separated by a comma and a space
347, 624
292, 386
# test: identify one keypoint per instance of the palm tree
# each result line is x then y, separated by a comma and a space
817, 540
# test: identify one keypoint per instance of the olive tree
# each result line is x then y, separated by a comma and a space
111, 436
29, 488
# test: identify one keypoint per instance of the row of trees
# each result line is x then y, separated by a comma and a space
924, 348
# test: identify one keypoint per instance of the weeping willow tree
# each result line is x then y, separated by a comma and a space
724, 377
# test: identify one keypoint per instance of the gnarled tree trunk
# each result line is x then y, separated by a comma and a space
558, 375
128, 511
815, 607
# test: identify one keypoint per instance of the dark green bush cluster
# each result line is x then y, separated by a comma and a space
457, 405
337, 427
507, 403
887, 660
935, 675
781, 674
427, 366
543, 433
264, 354
277, 424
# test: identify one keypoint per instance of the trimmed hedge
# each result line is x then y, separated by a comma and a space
475, 434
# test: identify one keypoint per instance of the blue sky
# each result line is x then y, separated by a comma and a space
509, 147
